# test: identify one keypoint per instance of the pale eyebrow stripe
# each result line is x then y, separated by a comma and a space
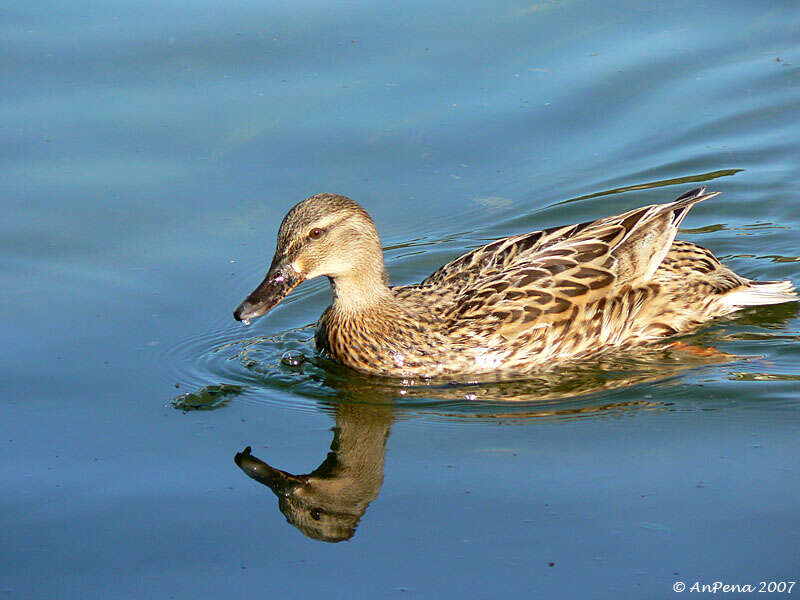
294, 246
330, 224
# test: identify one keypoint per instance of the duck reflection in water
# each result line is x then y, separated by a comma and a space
327, 503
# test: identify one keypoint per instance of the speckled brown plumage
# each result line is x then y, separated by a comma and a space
517, 305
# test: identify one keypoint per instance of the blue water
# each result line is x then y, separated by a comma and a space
150, 151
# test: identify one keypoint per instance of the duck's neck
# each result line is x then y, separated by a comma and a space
361, 289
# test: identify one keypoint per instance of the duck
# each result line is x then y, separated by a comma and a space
518, 305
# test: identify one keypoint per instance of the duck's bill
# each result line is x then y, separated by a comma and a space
279, 481
276, 285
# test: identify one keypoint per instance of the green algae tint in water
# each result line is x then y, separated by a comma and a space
151, 154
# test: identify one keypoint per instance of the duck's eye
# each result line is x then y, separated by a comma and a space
316, 233
315, 514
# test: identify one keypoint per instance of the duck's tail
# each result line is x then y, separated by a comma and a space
756, 293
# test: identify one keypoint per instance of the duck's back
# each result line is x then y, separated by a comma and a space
568, 292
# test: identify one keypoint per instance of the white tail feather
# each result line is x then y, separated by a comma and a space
761, 292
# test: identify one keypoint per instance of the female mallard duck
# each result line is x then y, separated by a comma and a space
516, 305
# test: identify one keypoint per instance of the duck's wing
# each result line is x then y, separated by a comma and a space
497, 256
636, 240
571, 267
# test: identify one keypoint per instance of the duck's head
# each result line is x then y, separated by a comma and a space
326, 234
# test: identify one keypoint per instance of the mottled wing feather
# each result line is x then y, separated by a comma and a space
567, 271
633, 235
495, 257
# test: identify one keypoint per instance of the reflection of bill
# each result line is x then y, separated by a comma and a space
327, 503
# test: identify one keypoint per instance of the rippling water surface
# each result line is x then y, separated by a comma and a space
151, 150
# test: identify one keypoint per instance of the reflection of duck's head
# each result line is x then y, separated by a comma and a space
309, 503
327, 503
